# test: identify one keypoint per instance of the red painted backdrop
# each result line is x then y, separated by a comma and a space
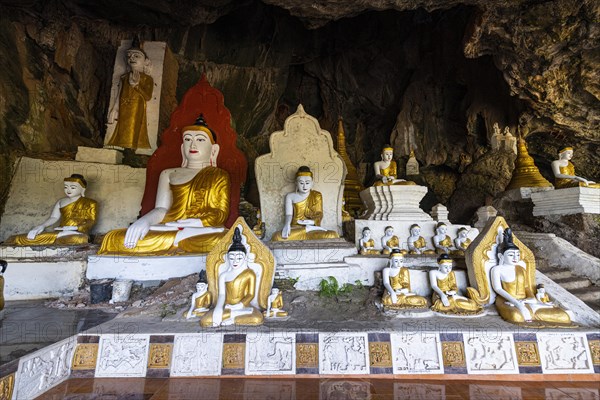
204, 99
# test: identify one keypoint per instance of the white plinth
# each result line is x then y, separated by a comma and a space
144, 268
402, 230
96, 155
394, 203
576, 200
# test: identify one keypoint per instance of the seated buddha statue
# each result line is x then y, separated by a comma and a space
461, 242
366, 243
386, 170
390, 242
303, 212
416, 242
236, 289
76, 215
192, 204
201, 301
446, 298
396, 280
441, 241
564, 172
275, 305
516, 297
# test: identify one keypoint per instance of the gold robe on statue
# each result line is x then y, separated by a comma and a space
561, 183
203, 301
309, 208
131, 131
402, 281
206, 196
276, 304
394, 243
239, 290
458, 306
422, 246
369, 243
392, 170
518, 289
447, 242
81, 213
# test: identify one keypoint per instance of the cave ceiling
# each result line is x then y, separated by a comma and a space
432, 75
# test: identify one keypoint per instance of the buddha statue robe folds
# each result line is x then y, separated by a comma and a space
446, 298
76, 216
396, 280
304, 212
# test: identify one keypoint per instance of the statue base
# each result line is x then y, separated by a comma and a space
96, 155
394, 203
150, 268
575, 200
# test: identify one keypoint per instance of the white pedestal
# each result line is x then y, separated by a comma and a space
144, 268
394, 203
576, 200
96, 155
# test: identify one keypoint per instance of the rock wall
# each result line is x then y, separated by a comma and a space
422, 74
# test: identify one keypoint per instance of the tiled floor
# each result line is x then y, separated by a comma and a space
28, 326
330, 389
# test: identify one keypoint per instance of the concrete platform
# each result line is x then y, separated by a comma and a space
574, 200
144, 268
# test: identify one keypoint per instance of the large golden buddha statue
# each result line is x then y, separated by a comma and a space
446, 297
517, 299
75, 214
396, 280
564, 172
192, 204
386, 170
238, 281
303, 212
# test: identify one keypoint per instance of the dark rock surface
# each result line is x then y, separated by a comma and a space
422, 74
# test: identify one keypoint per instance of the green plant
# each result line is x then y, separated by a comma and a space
330, 287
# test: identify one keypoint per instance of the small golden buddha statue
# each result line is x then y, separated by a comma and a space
259, 227
564, 172
396, 280
461, 242
129, 110
303, 212
275, 305
441, 241
390, 242
76, 215
192, 204
513, 282
446, 298
386, 170
366, 243
201, 301
416, 242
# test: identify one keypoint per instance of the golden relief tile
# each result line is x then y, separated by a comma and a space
85, 356
453, 354
595, 350
233, 355
7, 384
528, 354
160, 355
307, 355
380, 354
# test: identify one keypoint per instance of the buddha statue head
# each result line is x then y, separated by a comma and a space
387, 153
565, 153
508, 252
444, 263
462, 233
366, 233
75, 186
396, 259
237, 253
441, 228
136, 57
201, 287
388, 231
415, 230
199, 147
304, 179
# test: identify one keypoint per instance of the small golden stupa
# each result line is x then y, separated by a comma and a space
526, 174
352, 185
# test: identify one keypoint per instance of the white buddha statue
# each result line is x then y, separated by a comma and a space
446, 297
236, 289
396, 280
416, 242
303, 212
564, 172
76, 215
366, 244
441, 241
386, 170
192, 204
275, 305
201, 301
461, 242
390, 242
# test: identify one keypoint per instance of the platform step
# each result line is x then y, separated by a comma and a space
589, 294
573, 283
555, 274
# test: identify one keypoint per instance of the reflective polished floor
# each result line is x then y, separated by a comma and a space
322, 389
